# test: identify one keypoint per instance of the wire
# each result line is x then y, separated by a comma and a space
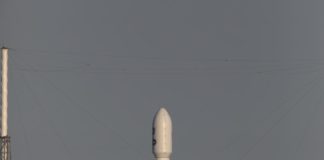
179, 71
25, 133
23, 51
299, 68
306, 131
51, 124
283, 102
88, 113
290, 109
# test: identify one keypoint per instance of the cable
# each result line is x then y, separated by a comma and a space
283, 102
290, 109
26, 137
51, 124
171, 70
190, 70
173, 58
177, 71
306, 132
88, 113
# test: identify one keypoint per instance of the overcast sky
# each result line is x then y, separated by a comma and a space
242, 79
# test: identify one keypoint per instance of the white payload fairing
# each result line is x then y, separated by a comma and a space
162, 135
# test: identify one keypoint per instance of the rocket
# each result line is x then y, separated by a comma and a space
162, 135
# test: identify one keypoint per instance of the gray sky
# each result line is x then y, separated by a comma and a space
242, 79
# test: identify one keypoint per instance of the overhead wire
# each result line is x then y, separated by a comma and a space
23, 126
179, 71
197, 61
303, 137
33, 94
89, 114
285, 114
109, 128
173, 58
56, 133
284, 70
283, 102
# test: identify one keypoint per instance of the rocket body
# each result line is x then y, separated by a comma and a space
162, 135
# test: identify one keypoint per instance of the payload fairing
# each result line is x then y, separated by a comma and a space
162, 135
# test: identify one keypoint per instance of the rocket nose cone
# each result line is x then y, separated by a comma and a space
162, 112
162, 116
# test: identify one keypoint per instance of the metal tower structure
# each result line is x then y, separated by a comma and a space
5, 139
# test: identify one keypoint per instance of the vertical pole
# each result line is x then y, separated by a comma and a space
4, 127
5, 139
